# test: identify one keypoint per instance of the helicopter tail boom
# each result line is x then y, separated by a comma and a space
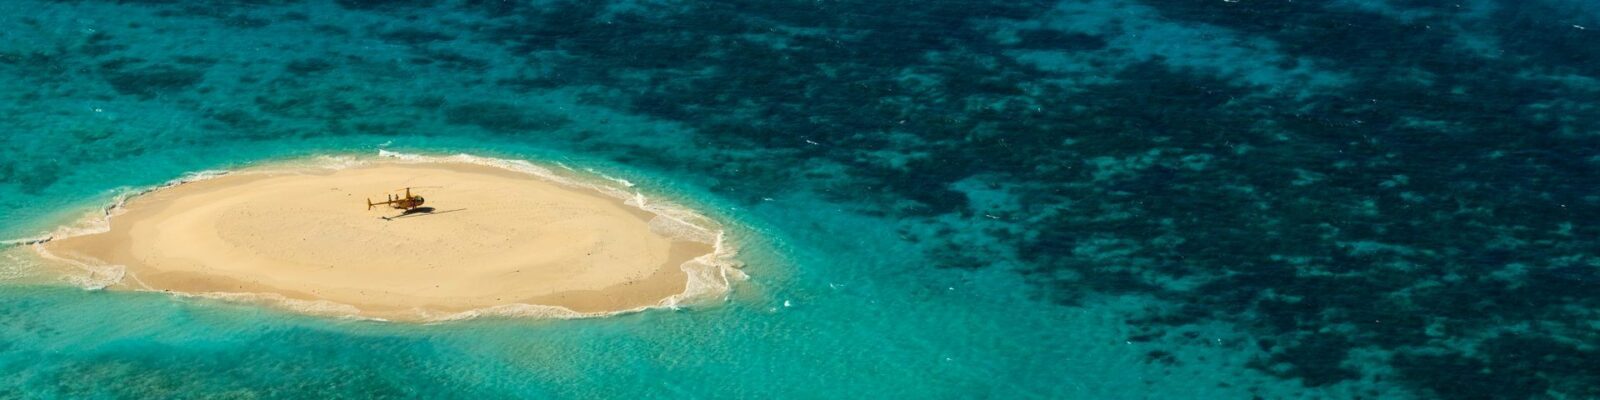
407, 203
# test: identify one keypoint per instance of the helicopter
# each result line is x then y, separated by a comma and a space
408, 203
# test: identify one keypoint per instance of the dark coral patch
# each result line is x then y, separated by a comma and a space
150, 81
502, 117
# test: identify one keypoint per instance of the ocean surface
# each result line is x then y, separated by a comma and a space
1082, 199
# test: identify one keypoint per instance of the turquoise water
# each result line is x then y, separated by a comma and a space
857, 325
1084, 199
834, 306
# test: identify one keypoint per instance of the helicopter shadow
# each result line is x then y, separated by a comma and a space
420, 212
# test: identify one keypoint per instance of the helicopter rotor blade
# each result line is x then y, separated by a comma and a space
418, 187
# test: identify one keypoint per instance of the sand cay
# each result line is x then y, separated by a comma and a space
495, 241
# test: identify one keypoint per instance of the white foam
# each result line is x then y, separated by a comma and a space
313, 307
99, 221
677, 229
16, 267
338, 162
623, 182
512, 310
24, 241
96, 276
90, 276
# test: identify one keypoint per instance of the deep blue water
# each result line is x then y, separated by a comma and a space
936, 199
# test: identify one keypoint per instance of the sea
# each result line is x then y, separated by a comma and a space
933, 199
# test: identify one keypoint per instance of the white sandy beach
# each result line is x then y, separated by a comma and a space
495, 237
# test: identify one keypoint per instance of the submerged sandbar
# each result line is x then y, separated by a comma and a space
495, 238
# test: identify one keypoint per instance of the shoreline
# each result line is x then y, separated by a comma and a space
704, 274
